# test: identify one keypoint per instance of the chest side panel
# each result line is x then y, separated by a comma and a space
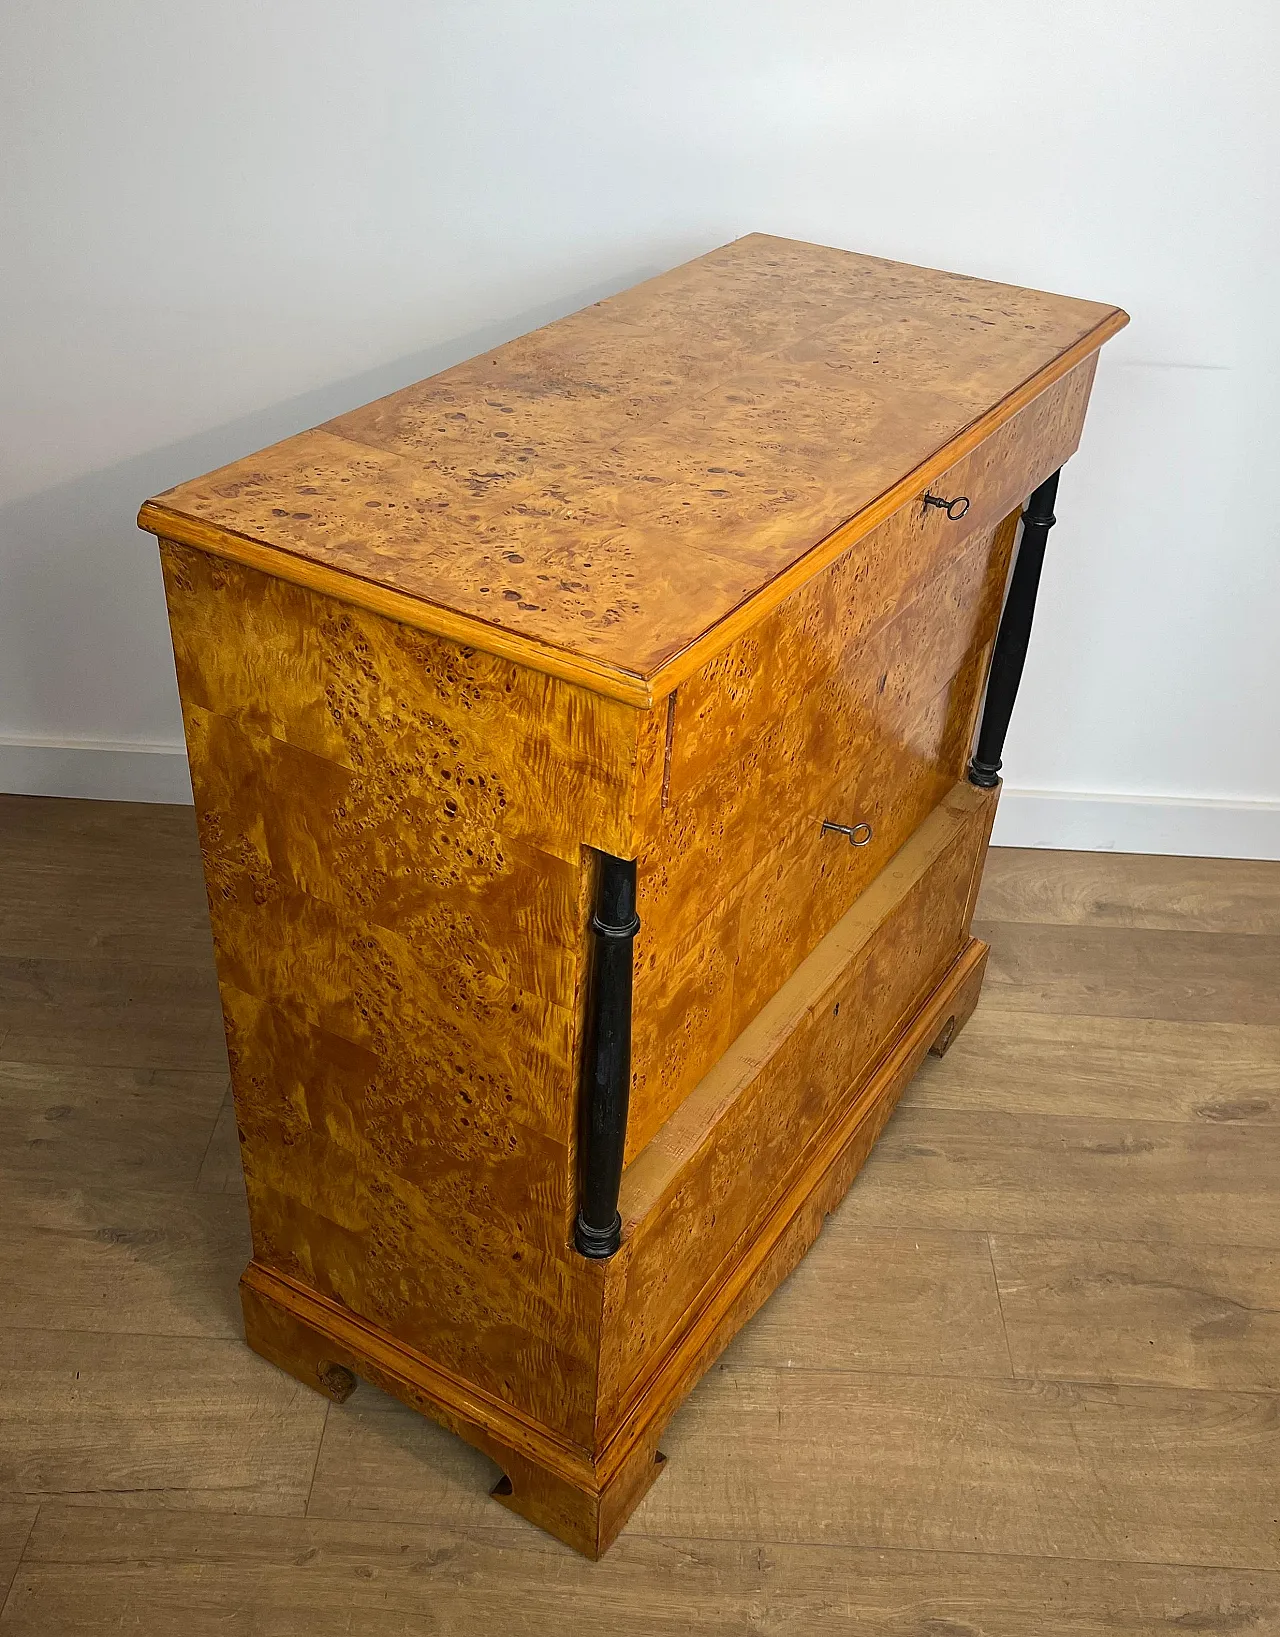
392, 830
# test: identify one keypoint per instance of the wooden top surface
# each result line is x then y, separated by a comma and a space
597, 497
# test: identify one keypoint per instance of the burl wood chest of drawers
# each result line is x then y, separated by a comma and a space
581, 748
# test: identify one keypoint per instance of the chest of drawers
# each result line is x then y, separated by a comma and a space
581, 744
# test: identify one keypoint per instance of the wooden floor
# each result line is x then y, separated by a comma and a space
1028, 1380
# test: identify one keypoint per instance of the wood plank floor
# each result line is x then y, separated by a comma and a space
1028, 1380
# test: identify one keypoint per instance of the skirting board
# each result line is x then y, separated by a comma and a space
1185, 827
96, 772
1088, 823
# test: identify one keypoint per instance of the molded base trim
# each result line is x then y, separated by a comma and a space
549, 1481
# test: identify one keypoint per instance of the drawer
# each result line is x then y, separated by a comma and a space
824, 624
706, 1180
738, 881
808, 879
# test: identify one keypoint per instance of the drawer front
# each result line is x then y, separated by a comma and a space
695, 1197
822, 626
741, 881
888, 781
853, 701
999, 474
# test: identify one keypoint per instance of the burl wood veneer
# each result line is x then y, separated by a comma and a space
643, 603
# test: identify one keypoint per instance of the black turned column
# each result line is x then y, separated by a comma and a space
606, 1065
1014, 634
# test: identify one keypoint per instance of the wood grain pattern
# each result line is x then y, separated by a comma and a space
584, 1494
796, 1219
818, 628
686, 1200
404, 1065
152, 1422
560, 1486
866, 1299
94, 1570
852, 1457
86, 1121
1132, 890
805, 721
545, 497
104, 1011
1188, 1315
1183, 977
1119, 1178
380, 1458
393, 836
79, 887
104, 1255
15, 1530
220, 1169
1108, 1067
398, 887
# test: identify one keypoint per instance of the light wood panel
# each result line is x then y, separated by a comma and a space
795, 892
797, 723
96, 1570
594, 497
1122, 1179
1132, 890
832, 627
419, 727
152, 1422
1023, 1062
1049, 1469
903, 1300
394, 836
394, 833
877, 639
1186, 977
1189, 1315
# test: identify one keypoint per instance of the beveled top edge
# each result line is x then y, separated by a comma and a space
611, 681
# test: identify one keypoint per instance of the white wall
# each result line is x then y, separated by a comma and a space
224, 223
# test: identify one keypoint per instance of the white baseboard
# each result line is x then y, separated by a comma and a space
1027, 818
1187, 827
96, 771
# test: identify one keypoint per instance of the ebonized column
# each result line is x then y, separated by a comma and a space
1014, 634
606, 1067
